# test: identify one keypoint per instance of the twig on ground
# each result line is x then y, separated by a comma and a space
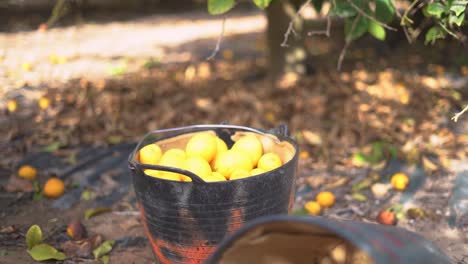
325, 32
218, 43
457, 115
360, 11
291, 24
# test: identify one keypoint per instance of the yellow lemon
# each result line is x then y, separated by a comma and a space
150, 154
27, 172
199, 166
325, 199
165, 175
173, 159
313, 207
215, 177
257, 171
44, 103
269, 161
232, 160
399, 181
12, 105
221, 147
175, 152
239, 174
202, 144
251, 145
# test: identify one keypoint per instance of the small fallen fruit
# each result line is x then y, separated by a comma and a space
44, 103
325, 199
386, 218
313, 207
12, 105
26, 66
27, 172
399, 181
379, 190
53, 188
76, 230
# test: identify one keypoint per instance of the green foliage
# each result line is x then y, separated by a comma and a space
360, 18
218, 7
45, 252
376, 30
103, 249
33, 236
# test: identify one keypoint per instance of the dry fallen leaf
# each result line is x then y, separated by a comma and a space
16, 184
315, 181
312, 138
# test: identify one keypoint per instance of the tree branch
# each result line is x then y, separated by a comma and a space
348, 42
360, 11
218, 43
322, 32
457, 115
291, 24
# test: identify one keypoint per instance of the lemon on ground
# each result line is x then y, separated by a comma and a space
27, 172
232, 160
165, 175
12, 105
325, 199
215, 177
269, 161
150, 154
399, 181
257, 171
44, 103
202, 144
199, 166
53, 188
313, 207
251, 145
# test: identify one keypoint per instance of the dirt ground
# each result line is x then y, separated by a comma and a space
120, 80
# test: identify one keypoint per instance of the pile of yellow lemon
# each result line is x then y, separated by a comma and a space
208, 156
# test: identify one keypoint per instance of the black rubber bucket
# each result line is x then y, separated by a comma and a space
185, 221
306, 240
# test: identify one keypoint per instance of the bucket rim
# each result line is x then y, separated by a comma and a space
280, 133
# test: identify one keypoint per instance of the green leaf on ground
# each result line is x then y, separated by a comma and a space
301, 211
33, 236
44, 252
105, 259
359, 196
103, 249
52, 147
95, 211
218, 7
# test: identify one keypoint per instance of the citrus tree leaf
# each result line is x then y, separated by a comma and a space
44, 252
262, 4
317, 5
218, 7
459, 7
342, 8
384, 10
361, 26
103, 249
435, 9
376, 30
433, 34
33, 236
457, 20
